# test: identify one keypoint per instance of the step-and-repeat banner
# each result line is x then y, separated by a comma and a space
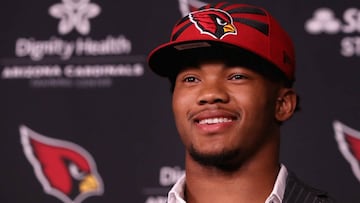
82, 119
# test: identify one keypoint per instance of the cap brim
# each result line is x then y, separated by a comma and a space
166, 59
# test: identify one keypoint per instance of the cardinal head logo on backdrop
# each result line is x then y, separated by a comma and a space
64, 169
348, 141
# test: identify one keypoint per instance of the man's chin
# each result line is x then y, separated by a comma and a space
227, 160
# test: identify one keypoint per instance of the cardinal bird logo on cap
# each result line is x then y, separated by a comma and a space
348, 141
214, 22
65, 170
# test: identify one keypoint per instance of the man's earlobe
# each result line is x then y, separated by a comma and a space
285, 104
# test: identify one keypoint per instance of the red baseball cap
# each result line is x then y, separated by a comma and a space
224, 25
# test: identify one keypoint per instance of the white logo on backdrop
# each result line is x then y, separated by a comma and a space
74, 14
324, 21
58, 62
186, 6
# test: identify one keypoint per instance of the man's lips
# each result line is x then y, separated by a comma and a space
210, 121
216, 116
214, 121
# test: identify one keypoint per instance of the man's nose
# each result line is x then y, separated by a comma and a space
213, 93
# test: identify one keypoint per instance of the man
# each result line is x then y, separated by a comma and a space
231, 67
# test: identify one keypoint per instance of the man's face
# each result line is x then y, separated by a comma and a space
224, 112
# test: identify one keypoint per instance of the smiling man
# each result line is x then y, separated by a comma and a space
232, 67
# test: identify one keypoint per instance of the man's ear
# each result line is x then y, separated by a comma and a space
285, 104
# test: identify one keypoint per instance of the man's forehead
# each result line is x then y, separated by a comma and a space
219, 67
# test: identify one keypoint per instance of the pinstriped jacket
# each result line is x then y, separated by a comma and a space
295, 192
298, 192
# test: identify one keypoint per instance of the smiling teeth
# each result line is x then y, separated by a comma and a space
214, 120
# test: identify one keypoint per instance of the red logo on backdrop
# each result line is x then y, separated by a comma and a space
65, 170
348, 141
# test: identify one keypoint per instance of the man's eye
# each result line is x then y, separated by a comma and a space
190, 79
237, 77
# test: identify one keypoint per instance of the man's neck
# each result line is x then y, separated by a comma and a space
251, 182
